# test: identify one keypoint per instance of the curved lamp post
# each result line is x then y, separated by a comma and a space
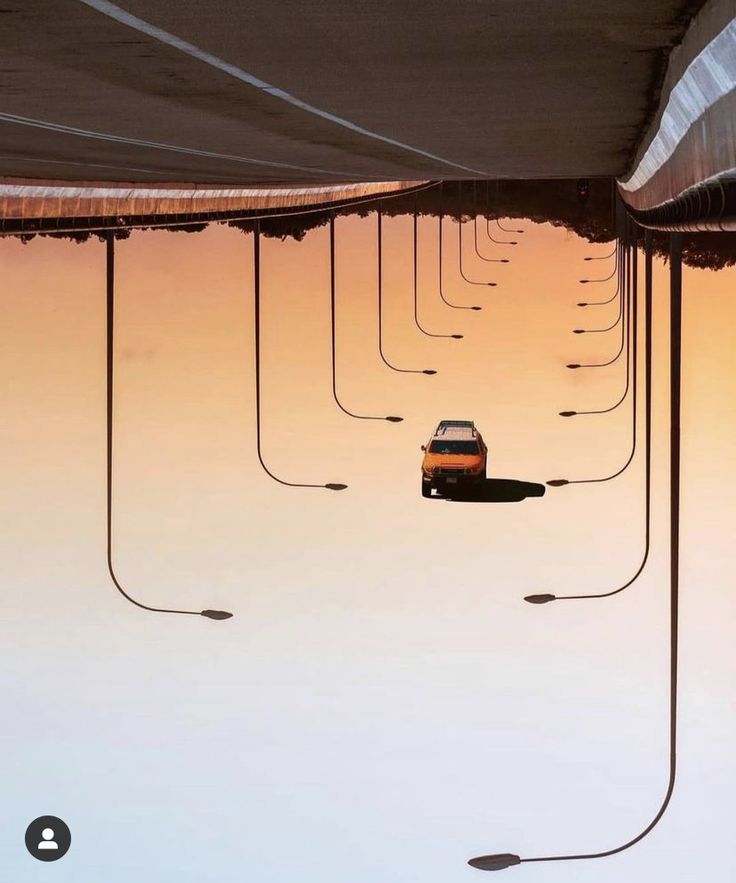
441, 261
460, 242
624, 326
500, 861
602, 257
416, 295
507, 229
545, 598
330, 486
460, 258
498, 223
498, 241
477, 250
110, 364
333, 336
488, 223
601, 303
603, 279
385, 361
628, 359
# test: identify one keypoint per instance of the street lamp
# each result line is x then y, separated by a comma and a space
460, 257
628, 347
330, 486
600, 303
416, 296
460, 239
488, 223
498, 223
460, 236
546, 598
477, 250
501, 861
385, 361
604, 279
333, 336
624, 326
441, 262
498, 241
603, 257
601, 330
506, 229
110, 366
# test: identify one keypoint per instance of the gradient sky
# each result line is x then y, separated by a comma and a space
383, 705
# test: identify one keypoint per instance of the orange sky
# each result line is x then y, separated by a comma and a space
382, 688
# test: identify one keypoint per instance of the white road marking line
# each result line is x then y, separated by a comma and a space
144, 27
71, 162
191, 151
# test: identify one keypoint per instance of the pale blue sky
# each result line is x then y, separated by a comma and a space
383, 706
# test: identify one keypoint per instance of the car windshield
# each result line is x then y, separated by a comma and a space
453, 447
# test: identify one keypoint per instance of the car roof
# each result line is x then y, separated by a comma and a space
456, 430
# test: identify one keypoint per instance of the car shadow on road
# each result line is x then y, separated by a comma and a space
495, 490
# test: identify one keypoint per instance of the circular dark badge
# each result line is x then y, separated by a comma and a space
48, 838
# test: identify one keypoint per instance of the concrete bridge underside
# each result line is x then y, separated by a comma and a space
305, 91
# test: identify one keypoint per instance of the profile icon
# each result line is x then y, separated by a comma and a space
48, 838
48, 841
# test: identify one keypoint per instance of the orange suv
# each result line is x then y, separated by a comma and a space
455, 455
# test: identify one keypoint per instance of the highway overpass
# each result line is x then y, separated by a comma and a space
299, 91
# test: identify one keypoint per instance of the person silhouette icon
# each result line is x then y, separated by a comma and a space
48, 841
48, 838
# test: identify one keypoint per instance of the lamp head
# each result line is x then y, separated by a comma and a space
332, 486
558, 482
215, 614
573, 365
394, 419
429, 371
567, 413
540, 599
494, 862
503, 261
476, 308
584, 281
513, 242
583, 304
491, 284
457, 336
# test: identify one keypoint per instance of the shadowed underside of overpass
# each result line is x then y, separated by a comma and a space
308, 91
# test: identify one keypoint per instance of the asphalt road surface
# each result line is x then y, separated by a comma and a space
307, 90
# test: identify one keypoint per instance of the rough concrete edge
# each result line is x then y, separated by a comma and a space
701, 20
68, 200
